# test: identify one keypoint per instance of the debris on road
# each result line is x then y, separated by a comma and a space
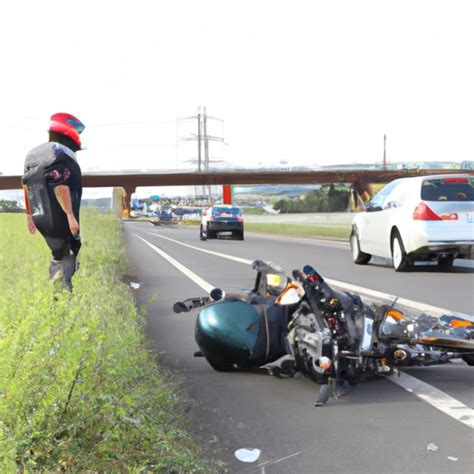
134, 285
247, 455
452, 458
431, 447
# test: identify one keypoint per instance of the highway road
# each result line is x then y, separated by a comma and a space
380, 427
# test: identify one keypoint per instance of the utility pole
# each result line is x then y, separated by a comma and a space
203, 138
199, 138
206, 151
385, 152
206, 141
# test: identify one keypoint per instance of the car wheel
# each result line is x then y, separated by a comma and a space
202, 236
358, 257
210, 233
400, 259
446, 262
240, 235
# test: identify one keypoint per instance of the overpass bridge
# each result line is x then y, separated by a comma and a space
129, 182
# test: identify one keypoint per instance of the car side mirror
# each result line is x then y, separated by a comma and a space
372, 207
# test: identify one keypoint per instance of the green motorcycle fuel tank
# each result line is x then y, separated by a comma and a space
229, 330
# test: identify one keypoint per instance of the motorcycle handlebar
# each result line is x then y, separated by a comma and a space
190, 303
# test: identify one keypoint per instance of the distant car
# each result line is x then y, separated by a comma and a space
222, 218
166, 215
422, 218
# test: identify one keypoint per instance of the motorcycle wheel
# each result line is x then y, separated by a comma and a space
219, 365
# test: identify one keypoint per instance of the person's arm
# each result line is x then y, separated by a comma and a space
29, 219
63, 195
58, 177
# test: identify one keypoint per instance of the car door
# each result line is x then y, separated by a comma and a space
375, 220
393, 215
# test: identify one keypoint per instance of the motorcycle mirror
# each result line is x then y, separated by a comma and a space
217, 294
311, 272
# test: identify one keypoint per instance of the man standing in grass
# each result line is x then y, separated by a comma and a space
53, 189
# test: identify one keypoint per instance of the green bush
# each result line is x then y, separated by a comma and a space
325, 199
78, 389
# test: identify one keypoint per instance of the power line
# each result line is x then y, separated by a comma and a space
151, 123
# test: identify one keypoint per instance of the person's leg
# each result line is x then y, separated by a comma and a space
70, 264
59, 250
63, 264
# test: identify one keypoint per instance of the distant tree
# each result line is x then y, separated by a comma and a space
9, 206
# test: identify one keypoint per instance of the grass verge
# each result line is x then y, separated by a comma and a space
302, 230
78, 389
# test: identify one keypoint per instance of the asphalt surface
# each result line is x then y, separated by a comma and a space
378, 428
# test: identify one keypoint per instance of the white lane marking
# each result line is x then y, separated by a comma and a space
207, 287
217, 254
272, 463
436, 398
424, 391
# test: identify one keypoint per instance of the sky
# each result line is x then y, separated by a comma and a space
304, 81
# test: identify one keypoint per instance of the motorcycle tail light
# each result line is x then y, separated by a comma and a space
423, 213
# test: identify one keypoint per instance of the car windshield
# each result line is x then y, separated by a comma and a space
448, 189
226, 211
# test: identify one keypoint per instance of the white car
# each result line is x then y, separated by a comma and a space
421, 218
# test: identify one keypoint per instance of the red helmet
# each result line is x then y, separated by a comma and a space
67, 124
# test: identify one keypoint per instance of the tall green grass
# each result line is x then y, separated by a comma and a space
78, 390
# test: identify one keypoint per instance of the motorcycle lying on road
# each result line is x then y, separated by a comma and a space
300, 324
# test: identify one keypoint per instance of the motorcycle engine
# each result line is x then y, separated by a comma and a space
310, 342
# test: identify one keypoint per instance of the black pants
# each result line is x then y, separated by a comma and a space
64, 250
60, 246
